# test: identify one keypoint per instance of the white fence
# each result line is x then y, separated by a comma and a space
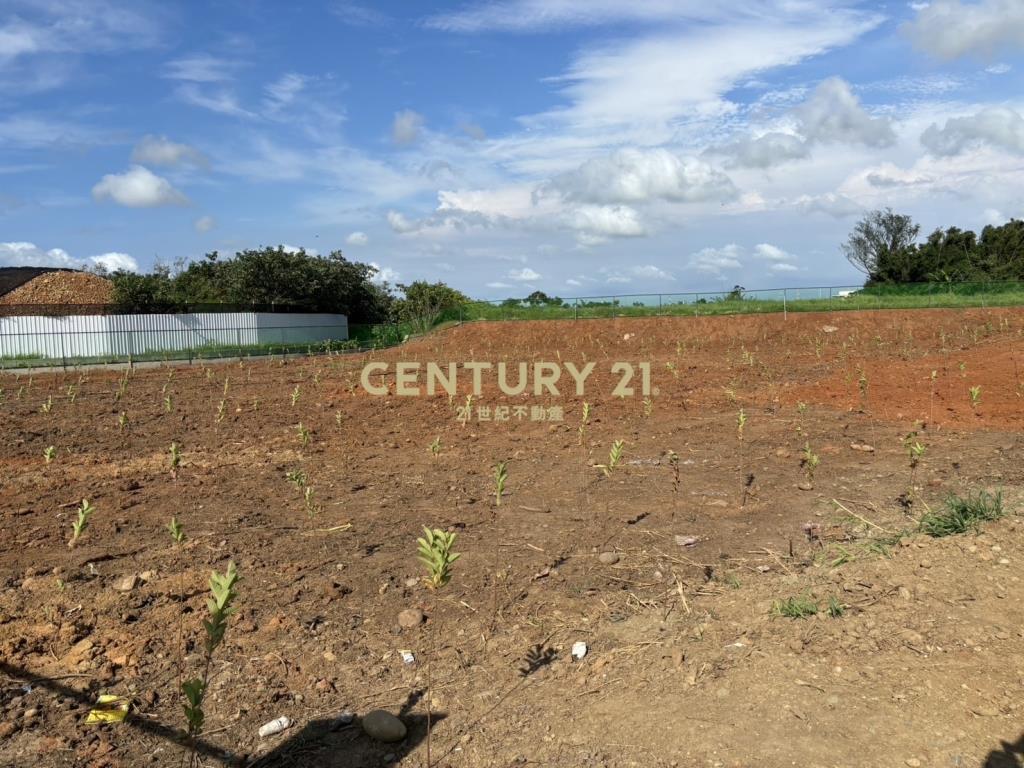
106, 337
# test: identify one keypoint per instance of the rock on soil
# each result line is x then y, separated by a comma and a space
410, 617
383, 726
608, 558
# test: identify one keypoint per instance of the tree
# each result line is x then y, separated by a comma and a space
880, 246
425, 304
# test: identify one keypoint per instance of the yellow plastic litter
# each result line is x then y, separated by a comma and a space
108, 709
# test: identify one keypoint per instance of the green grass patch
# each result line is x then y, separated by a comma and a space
799, 607
961, 515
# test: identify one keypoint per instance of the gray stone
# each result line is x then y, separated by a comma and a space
410, 617
608, 558
383, 726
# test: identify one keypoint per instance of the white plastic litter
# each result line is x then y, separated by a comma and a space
407, 657
274, 726
579, 650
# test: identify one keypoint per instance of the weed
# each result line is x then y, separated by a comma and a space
78, 527
835, 608
795, 607
435, 447
49, 453
297, 477
963, 514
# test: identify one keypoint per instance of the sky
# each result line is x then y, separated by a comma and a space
578, 147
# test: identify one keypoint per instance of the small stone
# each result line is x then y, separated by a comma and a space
411, 582
31, 714
913, 762
6, 729
128, 583
608, 558
410, 617
383, 726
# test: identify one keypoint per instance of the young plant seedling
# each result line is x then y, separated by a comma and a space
122, 421
176, 531
295, 395
220, 410
47, 406
500, 476
435, 447
297, 477
975, 395
175, 451
304, 435
81, 523
614, 457
168, 403
809, 462
309, 499
220, 607
435, 552
49, 453
584, 421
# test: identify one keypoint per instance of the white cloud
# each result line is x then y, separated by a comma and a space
201, 68
523, 275
714, 261
159, 150
999, 127
400, 223
204, 223
357, 238
770, 252
784, 267
499, 285
356, 15
635, 175
651, 272
406, 127
951, 28
24, 254
833, 113
999, 69
221, 101
284, 90
833, 204
384, 274
138, 187
114, 261
299, 249
594, 224
766, 150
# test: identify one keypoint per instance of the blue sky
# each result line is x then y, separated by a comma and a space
580, 147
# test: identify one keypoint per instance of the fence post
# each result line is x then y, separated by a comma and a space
575, 309
238, 342
63, 353
785, 312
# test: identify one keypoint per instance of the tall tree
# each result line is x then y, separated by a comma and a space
880, 245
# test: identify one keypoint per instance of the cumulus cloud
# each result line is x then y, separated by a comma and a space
159, 150
771, 252
640, 175
766, 150
138, 187
400, 223
25, 254
357, 238
523, 275
715, 260
384, 274
831, 203
594, 224
999, 127
952, 28
834, 114
406, 127
204, 223
115, 261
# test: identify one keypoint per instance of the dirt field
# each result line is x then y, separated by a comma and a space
915, 658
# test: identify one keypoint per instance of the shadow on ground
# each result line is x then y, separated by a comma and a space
1010, 756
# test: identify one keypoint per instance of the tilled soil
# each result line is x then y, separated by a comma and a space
670, 583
